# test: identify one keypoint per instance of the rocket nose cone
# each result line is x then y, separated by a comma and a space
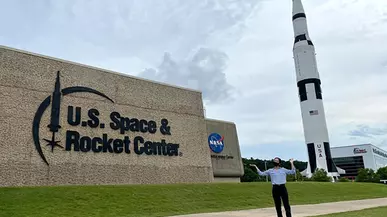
297, 7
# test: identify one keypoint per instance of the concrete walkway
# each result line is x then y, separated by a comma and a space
303, 210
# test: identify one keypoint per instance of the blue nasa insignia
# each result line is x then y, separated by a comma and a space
216, 142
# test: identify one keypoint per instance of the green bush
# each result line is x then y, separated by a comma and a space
343, 179
249, 175
290, 178
299, 177
368, 175
382, 172
306, 179
320, 175
376, 178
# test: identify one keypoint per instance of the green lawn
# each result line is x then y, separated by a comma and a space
163, 200
372, 212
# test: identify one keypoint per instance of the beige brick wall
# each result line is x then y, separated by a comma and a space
27, 79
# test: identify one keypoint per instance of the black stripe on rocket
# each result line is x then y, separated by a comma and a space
313, 158
302, 88
302, 38
330, 164
299, 15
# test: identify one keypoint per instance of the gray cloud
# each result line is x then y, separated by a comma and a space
367, 131
144, 29
203, 71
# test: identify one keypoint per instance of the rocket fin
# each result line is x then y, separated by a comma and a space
306, 172
340, 171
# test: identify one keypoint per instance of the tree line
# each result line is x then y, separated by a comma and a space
369, 175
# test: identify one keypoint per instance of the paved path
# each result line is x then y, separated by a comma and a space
303, 210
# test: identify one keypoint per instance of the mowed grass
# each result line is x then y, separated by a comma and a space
166, 200
371, 212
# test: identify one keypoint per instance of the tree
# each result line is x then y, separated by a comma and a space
249, 176
290, 178
382, 172
367, 175
299, 177
320, 175
376, 178
362, 175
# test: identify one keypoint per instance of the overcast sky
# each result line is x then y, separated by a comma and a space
237, 52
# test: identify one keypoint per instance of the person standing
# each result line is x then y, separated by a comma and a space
278, 179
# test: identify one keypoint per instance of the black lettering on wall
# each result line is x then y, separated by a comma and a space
125, 125
107, 144
118, 146
94, 144
152, 128
148, 148
134, 125
164, 128
158, 148
126, 144
85, 144
72, 139
70, 115
173, 149
93, 115
165, 148
115, 117
77, 142
143, 126
136, 141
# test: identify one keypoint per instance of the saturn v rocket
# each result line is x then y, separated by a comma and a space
310, 96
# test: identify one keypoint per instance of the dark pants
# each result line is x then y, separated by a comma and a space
280, 192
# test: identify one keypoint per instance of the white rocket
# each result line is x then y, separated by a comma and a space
309, 89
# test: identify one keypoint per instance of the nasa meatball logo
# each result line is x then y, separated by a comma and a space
216, 142
100, 144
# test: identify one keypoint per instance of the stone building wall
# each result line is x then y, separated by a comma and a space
100, 114
225, 151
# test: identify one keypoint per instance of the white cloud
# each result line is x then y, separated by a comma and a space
203, 71
256, 37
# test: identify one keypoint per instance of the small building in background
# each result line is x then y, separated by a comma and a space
354, 157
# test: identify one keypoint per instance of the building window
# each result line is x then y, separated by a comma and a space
351, 165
